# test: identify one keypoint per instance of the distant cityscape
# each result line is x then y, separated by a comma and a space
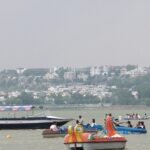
103, 85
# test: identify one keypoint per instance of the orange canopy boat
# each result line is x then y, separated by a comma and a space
77, 139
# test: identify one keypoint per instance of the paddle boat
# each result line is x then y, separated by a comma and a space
77, 139
120, 129
47, 133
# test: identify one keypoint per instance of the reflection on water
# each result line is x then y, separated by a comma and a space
33, 140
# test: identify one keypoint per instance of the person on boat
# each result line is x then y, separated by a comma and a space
116, 122
119, 118
145, 115
81, 120
54, 127
78, 125
137, 116
140, 124
109, 125
93, 123
77, 122
133, 116
129, 124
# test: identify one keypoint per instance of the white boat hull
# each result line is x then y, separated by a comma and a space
96, 146
104, 146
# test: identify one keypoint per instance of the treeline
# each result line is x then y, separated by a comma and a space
27, 99
122, 95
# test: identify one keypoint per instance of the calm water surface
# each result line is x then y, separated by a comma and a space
33, 140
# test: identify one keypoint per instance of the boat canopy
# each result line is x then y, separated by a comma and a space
16, 108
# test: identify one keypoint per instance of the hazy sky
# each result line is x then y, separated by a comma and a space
77, 33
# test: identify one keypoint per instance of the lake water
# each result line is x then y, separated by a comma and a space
33, 140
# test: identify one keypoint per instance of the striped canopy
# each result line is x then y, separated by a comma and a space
16, 108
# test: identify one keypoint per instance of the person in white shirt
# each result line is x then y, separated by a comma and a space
54, 127
93, 123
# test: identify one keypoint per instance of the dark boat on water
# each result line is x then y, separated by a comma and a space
31, 122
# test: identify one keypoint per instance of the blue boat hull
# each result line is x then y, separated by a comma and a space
95, 127
120, 129
126, 130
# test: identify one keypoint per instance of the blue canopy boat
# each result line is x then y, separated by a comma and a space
120, 129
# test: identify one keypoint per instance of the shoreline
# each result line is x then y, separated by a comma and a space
97, 106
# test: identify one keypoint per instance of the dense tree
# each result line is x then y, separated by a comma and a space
35, 72
130, 67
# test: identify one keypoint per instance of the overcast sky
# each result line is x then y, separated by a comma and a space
77, 33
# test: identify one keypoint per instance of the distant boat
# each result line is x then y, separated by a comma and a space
141, 118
